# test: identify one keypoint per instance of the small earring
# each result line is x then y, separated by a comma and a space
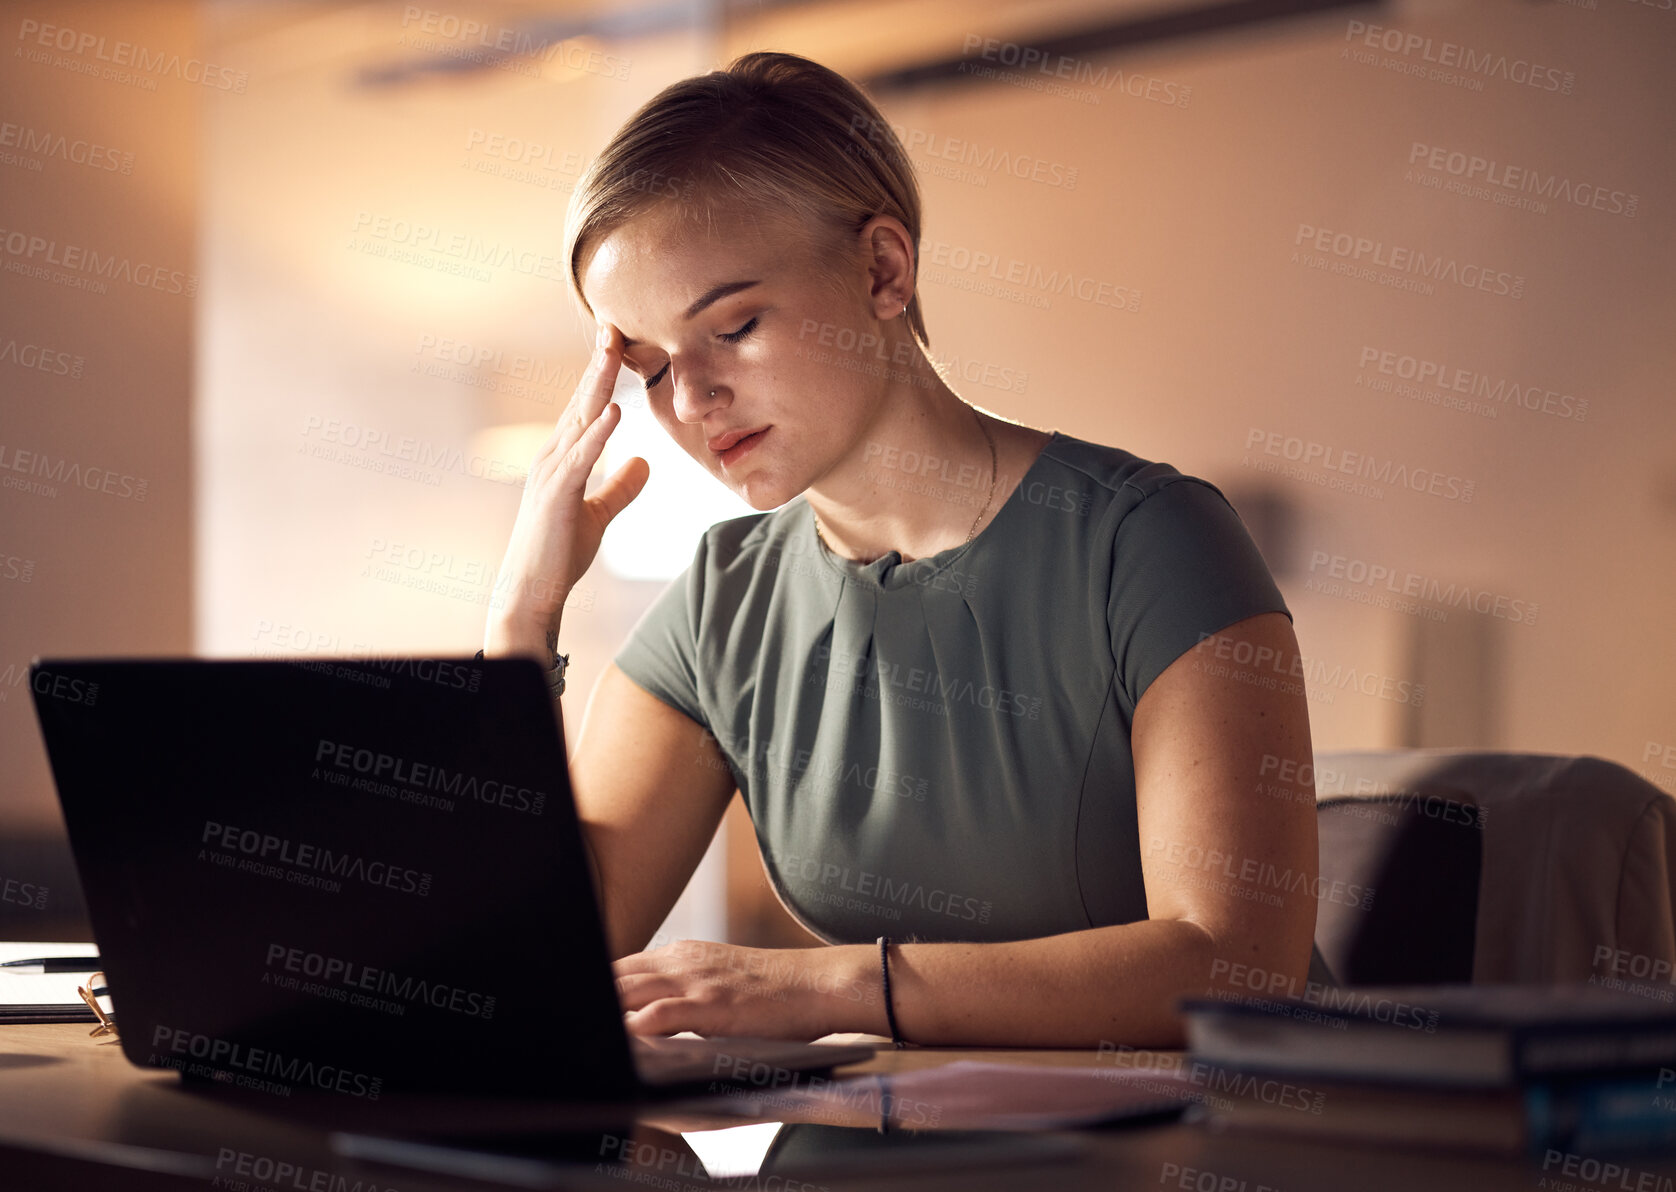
712, 393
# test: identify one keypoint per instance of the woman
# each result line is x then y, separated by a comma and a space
979, 683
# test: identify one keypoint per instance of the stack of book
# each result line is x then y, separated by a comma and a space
1570, 1069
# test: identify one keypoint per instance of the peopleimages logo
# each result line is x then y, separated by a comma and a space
524, 152
1334, 999
494, 369
376, 765
1445, 376
40, 358
842, 668
355, 983
989, 268
221, 1054
1507, 185
1208, 1080
1600, 1173
1265, 662
1361, 573
738, 749
23, 893
79, 151
1308, 453
1402, 266
664, 1167
1026, 60
453, 675
375, 449
463, 246
1452, 55
480, 42
814, 871
1203, 1179
30, 254
1256, 872
939, 148
1327, 781
268, 855
159, 63
271, 1174
59, 686
63, 470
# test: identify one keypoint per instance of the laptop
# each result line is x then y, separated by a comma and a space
356, 877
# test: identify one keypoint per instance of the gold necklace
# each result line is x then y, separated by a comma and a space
994, 476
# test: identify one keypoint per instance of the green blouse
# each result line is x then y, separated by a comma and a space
939, 749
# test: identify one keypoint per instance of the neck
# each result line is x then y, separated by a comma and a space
920, 478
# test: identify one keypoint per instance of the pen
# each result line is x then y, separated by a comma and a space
57, 964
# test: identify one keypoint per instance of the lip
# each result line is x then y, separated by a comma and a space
727, 439
742, 445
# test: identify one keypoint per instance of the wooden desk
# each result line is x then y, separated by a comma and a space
74, 1114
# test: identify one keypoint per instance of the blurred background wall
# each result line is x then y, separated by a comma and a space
281, 284
101, 287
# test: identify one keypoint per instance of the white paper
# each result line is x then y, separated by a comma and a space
41, 989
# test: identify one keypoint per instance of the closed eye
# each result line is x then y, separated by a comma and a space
734, 337
731, 337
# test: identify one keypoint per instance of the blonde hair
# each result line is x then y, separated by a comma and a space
773, 133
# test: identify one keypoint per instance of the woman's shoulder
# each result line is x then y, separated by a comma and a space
746, 544
1127, 478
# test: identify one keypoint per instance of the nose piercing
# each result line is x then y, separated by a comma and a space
712, 393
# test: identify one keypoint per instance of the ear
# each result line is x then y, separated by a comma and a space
888, 250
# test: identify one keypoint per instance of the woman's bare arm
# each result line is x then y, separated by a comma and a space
650, 784
651, 787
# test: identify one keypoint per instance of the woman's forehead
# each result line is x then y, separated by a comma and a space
681, 249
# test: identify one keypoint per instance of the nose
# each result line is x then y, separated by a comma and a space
695, 398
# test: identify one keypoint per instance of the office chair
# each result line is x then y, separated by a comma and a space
1495, 867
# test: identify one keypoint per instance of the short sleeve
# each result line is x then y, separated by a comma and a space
662, 649
1183, 567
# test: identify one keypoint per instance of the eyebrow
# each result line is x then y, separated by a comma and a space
713, 295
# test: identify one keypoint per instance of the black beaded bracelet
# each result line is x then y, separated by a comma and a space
890, 1010
555, 676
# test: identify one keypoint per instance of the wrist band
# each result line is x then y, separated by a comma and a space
555, 677
890, 1010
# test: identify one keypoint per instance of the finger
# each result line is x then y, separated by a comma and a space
635, 962
704, 1011
642, 989
592, 393
666, 957
585, 452
666, 1016
571, 453
621, 487
601, 379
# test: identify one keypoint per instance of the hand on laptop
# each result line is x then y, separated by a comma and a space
775, 993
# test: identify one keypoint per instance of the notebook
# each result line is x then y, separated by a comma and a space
29, 995
354, 877
1490, 1036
